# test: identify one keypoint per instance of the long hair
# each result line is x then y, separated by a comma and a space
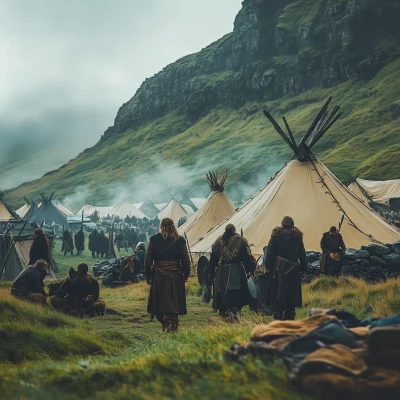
230, 231
168, 229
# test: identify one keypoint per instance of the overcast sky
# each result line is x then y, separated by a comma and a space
66, 66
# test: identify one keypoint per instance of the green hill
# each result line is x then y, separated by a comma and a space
205, 111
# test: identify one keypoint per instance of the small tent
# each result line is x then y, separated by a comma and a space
89, 210
173, 210
64, 209
216, 209
48, 213
6, 212
27, 210
306, 190
185, 200
149, 209
15, 257
385, 194
124, 209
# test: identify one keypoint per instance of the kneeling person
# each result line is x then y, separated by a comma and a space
29, 283
79, 294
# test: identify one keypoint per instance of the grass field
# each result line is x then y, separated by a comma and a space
47, 355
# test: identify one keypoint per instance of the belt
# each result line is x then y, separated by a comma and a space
169, 265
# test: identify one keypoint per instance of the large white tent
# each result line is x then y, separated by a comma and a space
173, 210
378, 192
215, 209
308, 192
124, 209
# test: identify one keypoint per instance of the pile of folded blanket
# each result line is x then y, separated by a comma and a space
333, 355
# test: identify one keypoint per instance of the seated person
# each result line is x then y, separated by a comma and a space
79, 294
132, 269
29, 283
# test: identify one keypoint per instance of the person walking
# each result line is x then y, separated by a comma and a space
285, 261
167, 267
230, 263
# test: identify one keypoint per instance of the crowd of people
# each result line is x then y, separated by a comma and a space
165, 265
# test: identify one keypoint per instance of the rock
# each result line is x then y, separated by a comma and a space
313, 256
392, 259
353, 254
376, 250
368, 310
347, 270
362, 263
374, 260
390, 247
396, 247
315, 265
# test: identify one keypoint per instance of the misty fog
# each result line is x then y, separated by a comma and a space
68, 66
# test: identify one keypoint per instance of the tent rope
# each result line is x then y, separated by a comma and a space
329, 192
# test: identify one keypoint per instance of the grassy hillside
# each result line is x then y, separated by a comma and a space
365, 142
123, 355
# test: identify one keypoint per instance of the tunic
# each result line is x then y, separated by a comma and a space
167, 267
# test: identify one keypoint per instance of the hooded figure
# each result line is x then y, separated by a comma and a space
230, 263
29, 283
40, 249
68, 243
80, 241
285, 261
333, 247
79, 293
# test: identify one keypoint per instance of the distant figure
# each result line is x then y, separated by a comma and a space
40, 249
333, 247
79, 294
67, 243
141, 255
94, 242
231, 260
167, 267
103, 245
29, 284
285, 260
80, 242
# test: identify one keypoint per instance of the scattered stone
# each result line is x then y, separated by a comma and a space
313, 256
392, 259
362, 263
376, 250
353, 254
396, 247
374, 260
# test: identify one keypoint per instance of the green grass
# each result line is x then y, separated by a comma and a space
48, 355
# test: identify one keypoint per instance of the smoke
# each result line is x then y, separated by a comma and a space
164, 181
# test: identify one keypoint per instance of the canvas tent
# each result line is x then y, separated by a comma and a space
89, 210
198, 201
185, 200
174, 211
216, 209
124, 209
307, 191
27, 211
49, 213
161, 206
149, 209
63, 209
6, 212
383, 193
14, 258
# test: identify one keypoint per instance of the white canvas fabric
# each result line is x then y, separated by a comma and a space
216, 208
379, 192
124, 209
173, 210
315, 199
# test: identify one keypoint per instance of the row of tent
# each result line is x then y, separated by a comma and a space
146, 209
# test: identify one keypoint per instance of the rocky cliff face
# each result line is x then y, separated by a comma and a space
277, 48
